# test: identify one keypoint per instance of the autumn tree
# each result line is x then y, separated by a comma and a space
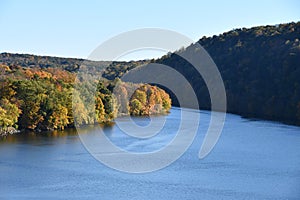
9, 114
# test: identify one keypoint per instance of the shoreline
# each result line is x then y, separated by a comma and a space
13, 131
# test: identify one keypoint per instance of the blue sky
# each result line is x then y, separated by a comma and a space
75, 28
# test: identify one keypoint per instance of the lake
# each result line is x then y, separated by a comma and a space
252, 160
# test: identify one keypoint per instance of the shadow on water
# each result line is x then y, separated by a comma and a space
36, 137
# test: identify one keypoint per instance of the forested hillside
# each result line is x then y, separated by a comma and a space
112, 68
260, 67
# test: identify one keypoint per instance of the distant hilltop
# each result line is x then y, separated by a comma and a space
260, 67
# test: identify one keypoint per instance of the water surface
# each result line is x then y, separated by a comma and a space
252, 160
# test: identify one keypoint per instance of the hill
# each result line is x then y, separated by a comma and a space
260, 67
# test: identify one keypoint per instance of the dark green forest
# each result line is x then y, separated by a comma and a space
259, 66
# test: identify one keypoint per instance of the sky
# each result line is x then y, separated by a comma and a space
76, 28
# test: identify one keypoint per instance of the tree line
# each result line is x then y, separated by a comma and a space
259, 66
45, 99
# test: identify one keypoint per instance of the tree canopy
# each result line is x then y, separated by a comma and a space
45, 99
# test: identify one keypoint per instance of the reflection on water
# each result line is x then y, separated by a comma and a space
33, 137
